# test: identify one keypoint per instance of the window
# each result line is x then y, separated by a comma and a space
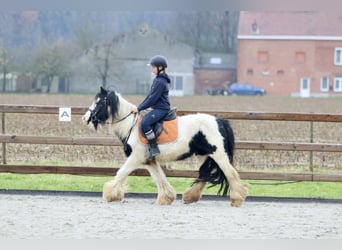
176, 82
338, 56
338, 84
300, 57
263, 56
325, 83
255, 28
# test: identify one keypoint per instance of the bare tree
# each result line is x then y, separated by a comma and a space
87, 34
208, 30
52, 61
4, 66
101, 63
7, 63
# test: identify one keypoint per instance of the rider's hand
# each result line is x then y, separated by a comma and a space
134, 109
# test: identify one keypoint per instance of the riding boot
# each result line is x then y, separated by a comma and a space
153, 147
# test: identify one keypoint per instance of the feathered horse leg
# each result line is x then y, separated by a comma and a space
194, 193
115, 190
166, 193
238, 190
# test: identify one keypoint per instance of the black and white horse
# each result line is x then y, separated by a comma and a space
211, 139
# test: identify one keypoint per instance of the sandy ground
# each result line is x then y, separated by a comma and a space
80, 217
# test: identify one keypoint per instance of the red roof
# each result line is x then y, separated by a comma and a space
290, 24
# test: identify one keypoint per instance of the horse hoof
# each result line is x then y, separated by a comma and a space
236, 203
164, 202
109, 193
190, 197
165, 199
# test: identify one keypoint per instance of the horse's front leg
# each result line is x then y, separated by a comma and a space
115, 190
166, 193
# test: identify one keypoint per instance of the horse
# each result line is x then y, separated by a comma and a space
204, 136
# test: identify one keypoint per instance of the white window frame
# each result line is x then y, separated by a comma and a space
338, 56
324, 89
339, 87
174, 83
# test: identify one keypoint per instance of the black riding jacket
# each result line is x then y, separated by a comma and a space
158, 97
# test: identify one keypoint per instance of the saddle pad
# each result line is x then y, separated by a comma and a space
168, 134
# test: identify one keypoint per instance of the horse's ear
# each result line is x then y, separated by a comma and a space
103, 91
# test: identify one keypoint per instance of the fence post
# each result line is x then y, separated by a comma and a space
4, 143
311, 141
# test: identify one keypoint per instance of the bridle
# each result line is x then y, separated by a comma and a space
94, 112
120, 120
104, 104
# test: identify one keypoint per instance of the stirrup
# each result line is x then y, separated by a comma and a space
151, 153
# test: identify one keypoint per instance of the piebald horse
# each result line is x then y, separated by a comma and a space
209, 138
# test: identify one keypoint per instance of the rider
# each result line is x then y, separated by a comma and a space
157, 99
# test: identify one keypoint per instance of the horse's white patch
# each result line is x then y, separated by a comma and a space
86, 116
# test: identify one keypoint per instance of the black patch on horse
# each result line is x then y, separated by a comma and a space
127, 148
198, 145
228, 138
210, 171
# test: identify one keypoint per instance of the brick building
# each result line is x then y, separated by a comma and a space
291, 53
213, 71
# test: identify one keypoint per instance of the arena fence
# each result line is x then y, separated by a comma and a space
240, 145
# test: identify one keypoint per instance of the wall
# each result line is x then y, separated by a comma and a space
212, 79
281, 73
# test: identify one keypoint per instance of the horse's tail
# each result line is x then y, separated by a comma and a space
210, 171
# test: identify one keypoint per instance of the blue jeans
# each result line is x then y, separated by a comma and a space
151, 118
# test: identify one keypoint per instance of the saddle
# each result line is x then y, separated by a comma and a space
165, 130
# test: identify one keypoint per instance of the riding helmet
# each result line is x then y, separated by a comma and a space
157, 61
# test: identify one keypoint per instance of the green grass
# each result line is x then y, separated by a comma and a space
146, 185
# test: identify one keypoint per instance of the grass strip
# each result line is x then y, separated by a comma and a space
146, 185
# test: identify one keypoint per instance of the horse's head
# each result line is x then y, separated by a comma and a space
104, 106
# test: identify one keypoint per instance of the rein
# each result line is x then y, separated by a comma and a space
121, 118
104, 104
131, 128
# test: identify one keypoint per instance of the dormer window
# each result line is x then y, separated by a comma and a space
255, 28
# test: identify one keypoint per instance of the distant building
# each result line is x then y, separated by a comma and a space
213, 71
10, 80
291, 53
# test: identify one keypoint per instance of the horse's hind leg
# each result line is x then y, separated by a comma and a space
194, 193
166, 193
238, 190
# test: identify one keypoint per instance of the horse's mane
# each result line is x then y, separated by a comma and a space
113, 102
